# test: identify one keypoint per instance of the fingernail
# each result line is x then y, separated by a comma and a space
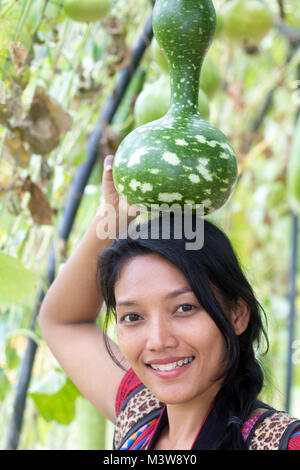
108, 167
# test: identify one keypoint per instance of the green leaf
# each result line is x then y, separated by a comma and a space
4, 384
12, 358
16, 282
55, 397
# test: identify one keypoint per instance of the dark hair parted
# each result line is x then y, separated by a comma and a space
213, 269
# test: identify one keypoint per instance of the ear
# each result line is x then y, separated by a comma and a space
240, 316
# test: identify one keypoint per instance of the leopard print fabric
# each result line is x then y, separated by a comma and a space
270, 431
138, 405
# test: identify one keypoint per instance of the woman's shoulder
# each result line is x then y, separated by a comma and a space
135, 407
270, 429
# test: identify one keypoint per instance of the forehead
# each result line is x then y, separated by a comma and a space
149, 272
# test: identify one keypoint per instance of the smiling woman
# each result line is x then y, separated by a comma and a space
184, 374
187, 323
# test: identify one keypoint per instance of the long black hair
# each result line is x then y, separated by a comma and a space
212, 269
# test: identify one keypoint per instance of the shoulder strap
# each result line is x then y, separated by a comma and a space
272, 431
140, 407
291, 428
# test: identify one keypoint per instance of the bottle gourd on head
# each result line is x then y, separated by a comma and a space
180, 159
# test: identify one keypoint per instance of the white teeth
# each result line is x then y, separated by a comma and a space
172, 365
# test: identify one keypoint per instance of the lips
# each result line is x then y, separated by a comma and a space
169, 364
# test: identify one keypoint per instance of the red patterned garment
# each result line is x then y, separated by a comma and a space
140, 439
294, 442
129, 383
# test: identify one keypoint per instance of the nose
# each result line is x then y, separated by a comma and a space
160, 334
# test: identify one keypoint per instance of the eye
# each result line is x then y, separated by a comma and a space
186, 307
130, 318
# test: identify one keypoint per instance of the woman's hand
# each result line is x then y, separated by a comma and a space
113, 204
110, 193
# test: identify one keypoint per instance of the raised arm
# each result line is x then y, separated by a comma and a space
70, 309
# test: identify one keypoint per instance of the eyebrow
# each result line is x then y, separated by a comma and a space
170, 295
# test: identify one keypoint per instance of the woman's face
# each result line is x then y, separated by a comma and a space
170, 341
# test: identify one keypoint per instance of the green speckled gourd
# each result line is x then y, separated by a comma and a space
180, 158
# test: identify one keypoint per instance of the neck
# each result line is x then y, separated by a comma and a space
185, 421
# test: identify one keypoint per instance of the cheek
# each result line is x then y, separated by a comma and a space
128, 343
218, 354
211, 343
122, 343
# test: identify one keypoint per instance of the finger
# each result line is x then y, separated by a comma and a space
108, 186
107, 170
108, 163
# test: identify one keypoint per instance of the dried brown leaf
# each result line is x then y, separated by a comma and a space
89, 90
18, 54
119, 53
120, 56
61, 118
45, 123
38, 205
112, 25
15, 150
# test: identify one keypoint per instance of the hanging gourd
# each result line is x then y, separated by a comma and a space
87, 10
246, 21
180, 158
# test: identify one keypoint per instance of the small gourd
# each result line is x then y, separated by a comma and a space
180, 158
87, 10
246, 21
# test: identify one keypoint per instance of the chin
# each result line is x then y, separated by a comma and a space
172, 397
175, 401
